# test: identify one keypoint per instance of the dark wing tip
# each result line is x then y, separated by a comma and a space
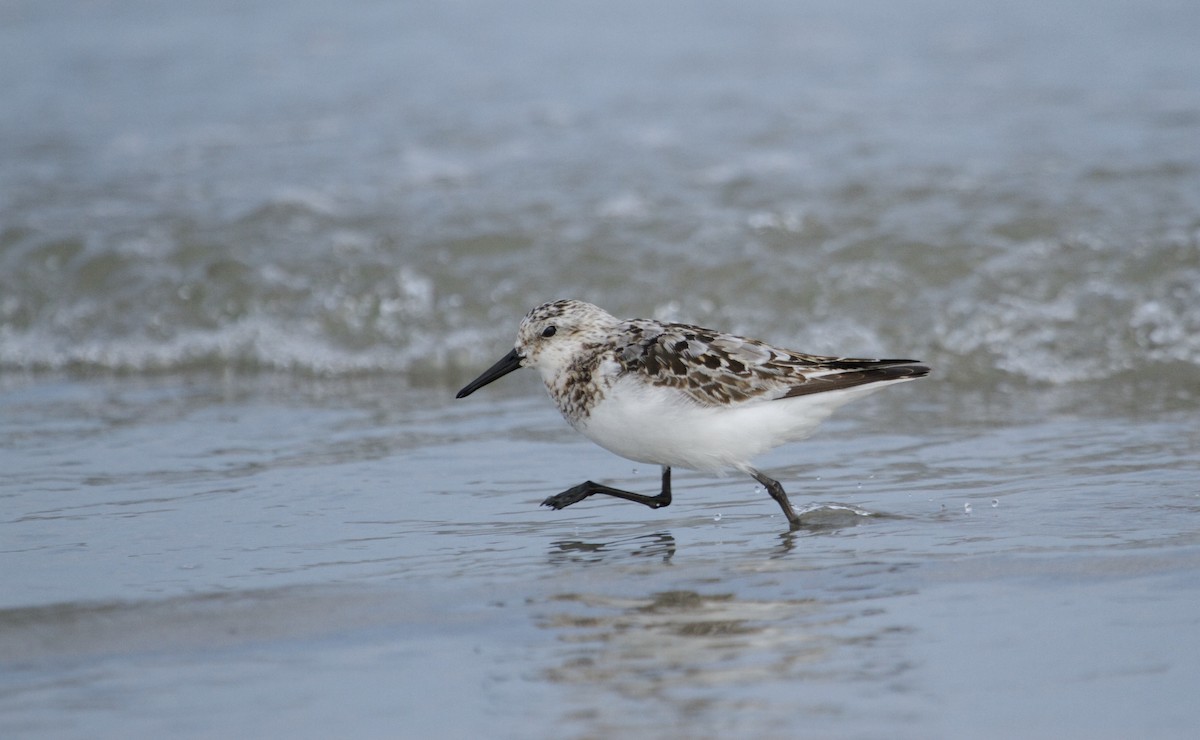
878, 371
907, 368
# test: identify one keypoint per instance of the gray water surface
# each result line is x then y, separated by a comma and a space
320, 557
249, 251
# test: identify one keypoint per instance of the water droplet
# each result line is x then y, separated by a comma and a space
995, 502
717, 517
967, 508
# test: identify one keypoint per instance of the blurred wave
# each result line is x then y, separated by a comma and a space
1042, 307
362, 200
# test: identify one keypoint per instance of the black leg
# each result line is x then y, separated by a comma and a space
780, 497
587, 488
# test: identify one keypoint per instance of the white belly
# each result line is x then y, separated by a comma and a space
663, 426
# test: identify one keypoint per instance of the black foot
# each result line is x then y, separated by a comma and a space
571, 496
589, 488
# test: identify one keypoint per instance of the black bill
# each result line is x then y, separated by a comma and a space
506, 365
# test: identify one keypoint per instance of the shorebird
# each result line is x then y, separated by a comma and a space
678, 395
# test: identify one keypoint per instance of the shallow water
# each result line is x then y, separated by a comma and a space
248, 252
311, 556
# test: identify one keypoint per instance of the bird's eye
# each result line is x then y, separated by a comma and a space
549, 331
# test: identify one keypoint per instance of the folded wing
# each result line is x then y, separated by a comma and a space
715, 368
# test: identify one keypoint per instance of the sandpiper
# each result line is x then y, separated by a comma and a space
682, 396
